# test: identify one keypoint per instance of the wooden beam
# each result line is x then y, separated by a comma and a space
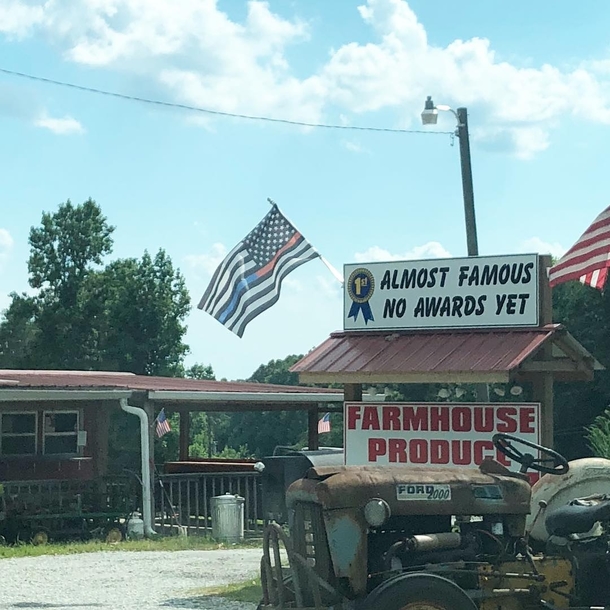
185, 435
553, 366
313, 441
355, 378
543, 383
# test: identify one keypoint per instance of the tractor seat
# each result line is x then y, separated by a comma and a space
577, 517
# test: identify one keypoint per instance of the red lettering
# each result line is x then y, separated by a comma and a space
370, 419
526, 420
461, 419
507, 422
377, 447
461, 453
483, 419
391, 418
397, 450
415, 418
418, 451
439, 452
479, 448
439, 419
353, 415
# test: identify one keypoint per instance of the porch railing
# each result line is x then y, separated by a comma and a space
185, 500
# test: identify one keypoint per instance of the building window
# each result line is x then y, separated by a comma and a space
18, 433
60, 432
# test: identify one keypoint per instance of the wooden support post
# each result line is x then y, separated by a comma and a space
185, 434
352, 392
98, 446
313, 441
150, 411
543, 383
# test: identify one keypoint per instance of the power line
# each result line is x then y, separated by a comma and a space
144, 100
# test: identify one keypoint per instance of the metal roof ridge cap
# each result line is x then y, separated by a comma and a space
59, 372
194, 395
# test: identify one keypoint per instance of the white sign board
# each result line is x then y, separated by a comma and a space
476, 292
434, 434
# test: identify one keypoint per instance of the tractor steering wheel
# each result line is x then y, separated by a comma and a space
504, 444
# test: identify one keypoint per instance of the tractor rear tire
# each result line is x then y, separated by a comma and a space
418, 592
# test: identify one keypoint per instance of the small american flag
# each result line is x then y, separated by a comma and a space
248, 281
163, 426
324, 424
589, 258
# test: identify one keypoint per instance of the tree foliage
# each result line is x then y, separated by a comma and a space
598, 435
585, 312
128, 315
257, 433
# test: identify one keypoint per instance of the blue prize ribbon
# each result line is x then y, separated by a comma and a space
360, 288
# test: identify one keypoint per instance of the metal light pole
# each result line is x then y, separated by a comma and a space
429, 117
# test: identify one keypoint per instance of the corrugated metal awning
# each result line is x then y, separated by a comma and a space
448, 356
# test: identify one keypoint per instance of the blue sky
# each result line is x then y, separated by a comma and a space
535, 78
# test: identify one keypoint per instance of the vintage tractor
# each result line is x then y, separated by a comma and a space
416, 538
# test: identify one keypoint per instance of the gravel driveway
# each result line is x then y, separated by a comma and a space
125, 580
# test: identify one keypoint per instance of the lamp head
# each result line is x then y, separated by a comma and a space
429, 115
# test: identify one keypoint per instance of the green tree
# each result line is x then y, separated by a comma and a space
258, 433
65, 250
585, 312
17, 332
146, 303
277, 372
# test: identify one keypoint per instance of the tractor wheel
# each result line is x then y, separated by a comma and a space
39, 537
418, 592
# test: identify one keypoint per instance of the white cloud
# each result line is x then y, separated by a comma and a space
537, 245
353, 146
6, 246
432, 249
207, 262
194, 51
65, 126
17, 18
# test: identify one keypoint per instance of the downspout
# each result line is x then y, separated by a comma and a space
149, 532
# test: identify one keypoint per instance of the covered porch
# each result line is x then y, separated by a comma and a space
54, 427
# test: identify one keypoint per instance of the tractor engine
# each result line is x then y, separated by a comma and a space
358, 525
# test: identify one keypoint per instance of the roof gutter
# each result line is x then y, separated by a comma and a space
149, 532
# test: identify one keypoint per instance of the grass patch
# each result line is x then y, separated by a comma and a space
247, 591
168, 543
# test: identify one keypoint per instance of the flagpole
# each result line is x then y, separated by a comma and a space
335, 273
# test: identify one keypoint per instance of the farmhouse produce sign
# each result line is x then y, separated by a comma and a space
434, 434
475, 292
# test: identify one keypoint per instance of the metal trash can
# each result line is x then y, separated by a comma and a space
228, 518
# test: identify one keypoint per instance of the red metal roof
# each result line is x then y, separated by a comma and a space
128, 381
425, 352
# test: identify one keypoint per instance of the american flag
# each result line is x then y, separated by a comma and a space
589, 258
163, 426
249, 279
324, 424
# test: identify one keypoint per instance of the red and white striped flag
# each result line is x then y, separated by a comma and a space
324, 424
162, 424
589, 258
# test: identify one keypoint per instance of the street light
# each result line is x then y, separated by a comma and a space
429, 116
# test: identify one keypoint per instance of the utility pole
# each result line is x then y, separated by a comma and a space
467, 187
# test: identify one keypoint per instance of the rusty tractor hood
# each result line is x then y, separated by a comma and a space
414, 490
